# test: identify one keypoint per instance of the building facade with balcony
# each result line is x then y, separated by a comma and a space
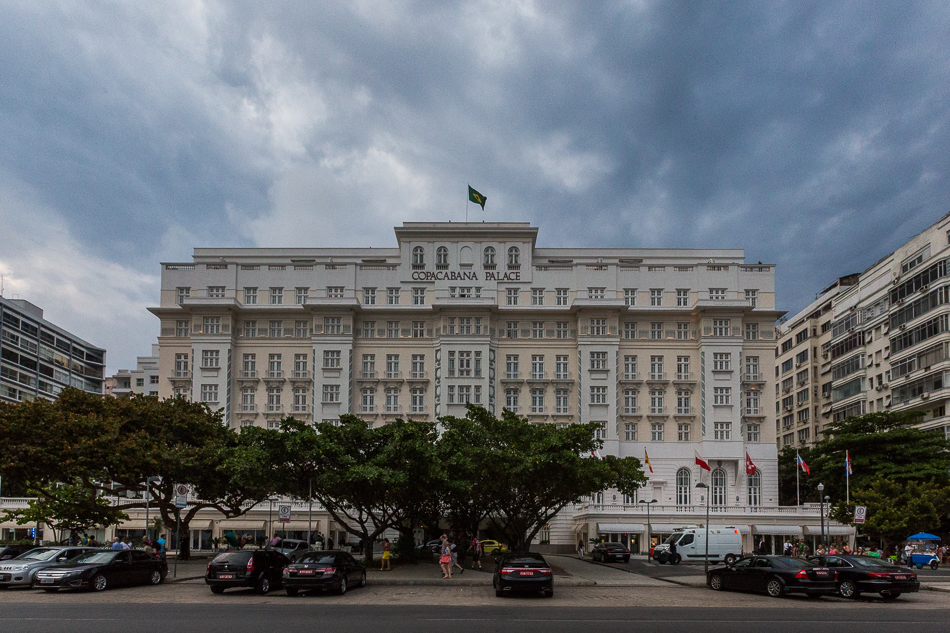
38, 359
143, 380
670, 351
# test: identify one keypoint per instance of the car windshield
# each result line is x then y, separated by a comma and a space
525, 561
97, 557
871, 563
238, 558
674, 539
39, 554
318, 559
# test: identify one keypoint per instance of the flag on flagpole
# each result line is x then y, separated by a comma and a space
801, 462
702, 463
476, 197
647, 459
847, 463
750, 468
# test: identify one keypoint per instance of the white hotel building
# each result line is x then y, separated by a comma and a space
671, 351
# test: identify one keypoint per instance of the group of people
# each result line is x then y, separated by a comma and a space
149, 546
452, 554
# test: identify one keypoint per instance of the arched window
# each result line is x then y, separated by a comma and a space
514, 256
489, 255
442, 255
755, 489
418, 255
684, 487
718, 497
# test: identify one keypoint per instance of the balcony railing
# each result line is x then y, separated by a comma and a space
685, 411
657, 410
368, 375
393, 375
685, 377
301, 375
630, 375
247, 375
248, 408
419, 375
275, 408
274, 374
657, 376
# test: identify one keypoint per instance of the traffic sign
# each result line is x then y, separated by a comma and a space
181, 495
860, 514
283, 514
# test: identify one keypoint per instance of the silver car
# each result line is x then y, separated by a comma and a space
21, 570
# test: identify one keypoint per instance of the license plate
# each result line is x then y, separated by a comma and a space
900, 577
226, 576
821, 573
305, 571
46, 581
527, 573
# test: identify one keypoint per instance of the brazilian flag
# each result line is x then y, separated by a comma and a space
476, 197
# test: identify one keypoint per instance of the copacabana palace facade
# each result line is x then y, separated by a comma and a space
670, 351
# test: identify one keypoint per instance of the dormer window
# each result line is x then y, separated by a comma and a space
514, 256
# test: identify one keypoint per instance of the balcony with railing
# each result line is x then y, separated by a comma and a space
658, 377
274, 408
367, 374
368, 408
247, 375
393, 375
630, 376
685, 411
180, 376
248, 408
658, 410
512, 376
747, 377
300, 375
274, 374
684, 377
418, 375
538, 376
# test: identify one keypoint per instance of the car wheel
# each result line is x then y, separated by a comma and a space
676, 560
715, 582
847, 589
729, 559
99, 583
291, 591
218, 590
155, 578
263, 586
342, 585
549, 593
363, 579
774, 588
894, 595
934, 564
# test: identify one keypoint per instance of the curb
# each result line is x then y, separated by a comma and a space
932, 588
630, 571
184, 578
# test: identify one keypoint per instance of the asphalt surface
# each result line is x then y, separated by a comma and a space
457, 618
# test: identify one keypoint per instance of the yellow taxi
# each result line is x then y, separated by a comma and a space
493, 547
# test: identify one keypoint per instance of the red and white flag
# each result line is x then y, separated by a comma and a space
702, 463
750, 468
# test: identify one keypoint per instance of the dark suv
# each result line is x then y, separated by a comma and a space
607, 552
261, 569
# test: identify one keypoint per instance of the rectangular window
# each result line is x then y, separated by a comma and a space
276, 296
537, 401
752, 433
369, 296
276, 329
717, 294
560, 367
331, 359
418, 329
722, 362
598, 327
682, 431
630, 296
682, 367
537, 329
368, 400
630, 330
629, 367
392, 400
369, 365
210, 358
656, 402
392, 366
752, 331
722, 430
537, 296
598, 360
369, 329
511, 296
560, 401
418, 366
721, 327
656, 297
331, 393
392, 329
511, 329
656, 432
722, 395
560, 296
416, 400
250, 296
656, 368
752, 368
334, 292
209, 393
752, 403
212, 325
275, 366
511, 400
656, 331
465, 326
630, 432
598, 395
250, 329
418, 296
300, 295
181, 365
300, 399
682, 298
596, 293
301, 329
682, 332
630, 402
182, 328
216, 292
332, 325
560, 330
183, 293
273, 399
752, 296
392, 296
537, 367
511, 366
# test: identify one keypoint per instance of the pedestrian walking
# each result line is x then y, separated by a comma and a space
329, 542
580, 549
453, 552
908, 554
126, 544
762, 549
384, 566
116, 543
161, 546
476, 549
445, 558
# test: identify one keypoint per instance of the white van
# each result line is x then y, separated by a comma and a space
725, 543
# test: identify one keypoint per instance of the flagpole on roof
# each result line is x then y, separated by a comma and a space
466, 207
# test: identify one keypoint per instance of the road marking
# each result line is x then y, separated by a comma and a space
679, 620
59, 619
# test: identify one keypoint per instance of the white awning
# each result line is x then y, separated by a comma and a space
781, 530
242, 525
622, 528
580, 528
668, 527
297, 526
832, 530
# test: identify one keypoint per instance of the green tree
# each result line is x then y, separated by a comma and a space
74, 508
881, 445
520, 475
896, 509
109, 447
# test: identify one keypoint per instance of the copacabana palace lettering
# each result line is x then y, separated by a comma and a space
453, 275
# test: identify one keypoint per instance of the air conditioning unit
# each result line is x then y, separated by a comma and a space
903, 326
788, 408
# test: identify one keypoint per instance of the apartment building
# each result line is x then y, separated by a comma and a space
38, 358
886, 347
802, 376
144, 379
671, 351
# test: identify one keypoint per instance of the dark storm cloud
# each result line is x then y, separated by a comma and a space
812, 134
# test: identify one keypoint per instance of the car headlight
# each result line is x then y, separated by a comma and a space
19, 568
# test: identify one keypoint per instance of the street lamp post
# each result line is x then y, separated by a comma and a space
821, 514
705, 489
828, 530
648, 504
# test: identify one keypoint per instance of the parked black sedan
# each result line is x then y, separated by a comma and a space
101, 569
523, 572
324, 571
775, 575
858, 574
608, 552
261, 569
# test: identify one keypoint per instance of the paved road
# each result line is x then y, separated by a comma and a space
302, 615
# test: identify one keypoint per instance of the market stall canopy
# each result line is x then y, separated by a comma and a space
923, 536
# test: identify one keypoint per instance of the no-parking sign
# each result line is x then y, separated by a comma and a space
283, 514
860, 513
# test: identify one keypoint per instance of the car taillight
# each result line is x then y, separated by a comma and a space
208, 569
545, 571
913, 576
507, 571
836, 575
878, 574
330, 570
802, 574
250, 564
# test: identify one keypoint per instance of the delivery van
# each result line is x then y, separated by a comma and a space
725, 543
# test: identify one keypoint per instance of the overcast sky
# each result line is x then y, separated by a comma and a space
812, 134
